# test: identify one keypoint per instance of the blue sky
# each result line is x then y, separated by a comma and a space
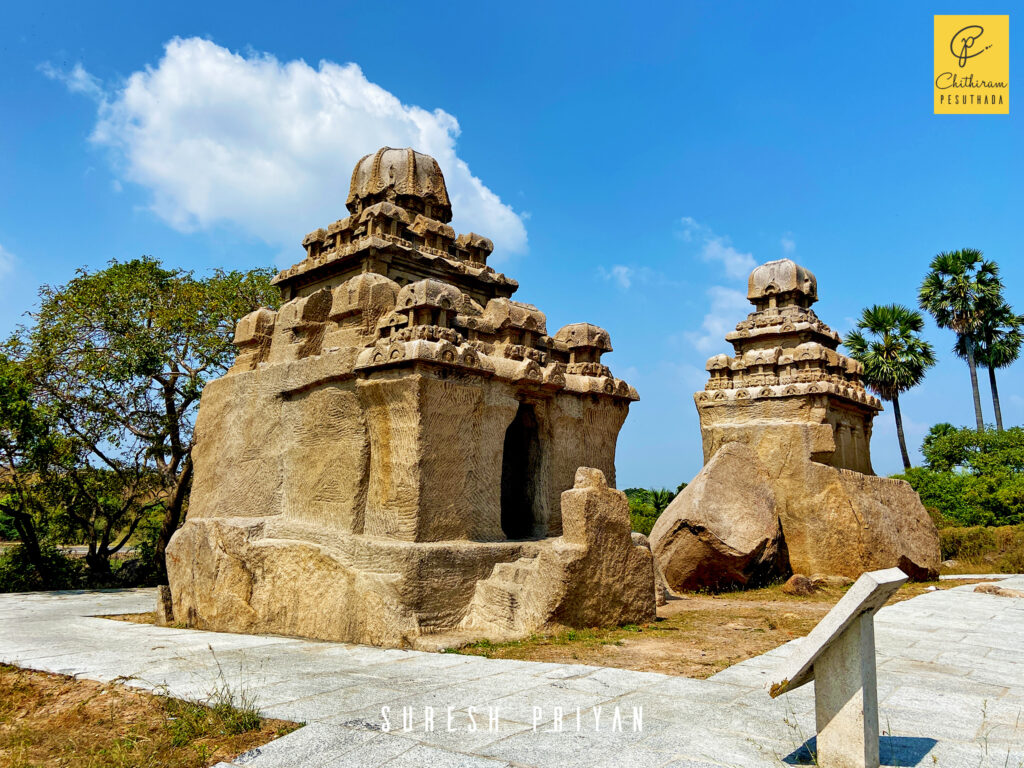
630, 161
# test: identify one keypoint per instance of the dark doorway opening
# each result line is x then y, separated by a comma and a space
520, 465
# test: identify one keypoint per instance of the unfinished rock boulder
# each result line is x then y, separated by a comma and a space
722, 530
164, 606
801, 408
995, 589
830, 581
661, 588
386, 460
799, 585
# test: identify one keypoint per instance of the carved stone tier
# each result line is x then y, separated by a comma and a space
398, 228
783, 351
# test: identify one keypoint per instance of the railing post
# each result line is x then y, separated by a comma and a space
839, 655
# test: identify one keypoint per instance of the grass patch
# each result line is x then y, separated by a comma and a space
53, 720
982, 549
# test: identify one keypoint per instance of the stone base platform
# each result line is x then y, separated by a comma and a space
262, 575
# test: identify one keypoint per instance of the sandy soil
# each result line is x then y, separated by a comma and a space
695, 635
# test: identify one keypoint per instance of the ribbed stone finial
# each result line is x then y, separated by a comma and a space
400, 176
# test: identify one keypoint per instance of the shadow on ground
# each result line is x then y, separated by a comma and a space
903, 751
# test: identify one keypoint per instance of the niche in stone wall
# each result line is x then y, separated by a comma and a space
521, 471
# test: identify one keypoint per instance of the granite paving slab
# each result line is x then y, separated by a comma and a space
950, 674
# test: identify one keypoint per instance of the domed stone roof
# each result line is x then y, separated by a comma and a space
404, 177
782, 277
429, 293
584, 335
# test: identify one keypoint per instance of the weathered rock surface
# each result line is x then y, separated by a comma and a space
164, 606
801, 409
597, 572
841, 522
722, 530
799, 585
822, 580
661, 588
995, 589
387, 457
392, 593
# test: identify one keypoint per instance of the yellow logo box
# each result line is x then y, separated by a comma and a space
972, 65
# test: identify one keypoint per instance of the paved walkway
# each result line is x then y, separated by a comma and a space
951, 685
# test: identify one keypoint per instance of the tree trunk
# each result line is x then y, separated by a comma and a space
995, 398
974, 386
30, 541
899, 431
172, 519
99, 567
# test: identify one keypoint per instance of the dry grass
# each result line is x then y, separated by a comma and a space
695, 636
53, 720
984, 549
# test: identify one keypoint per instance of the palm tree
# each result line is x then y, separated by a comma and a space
661, 499
997, 344
894, 357
956, 290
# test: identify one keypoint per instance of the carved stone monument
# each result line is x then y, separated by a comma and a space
839, 656
787, 482
396, 453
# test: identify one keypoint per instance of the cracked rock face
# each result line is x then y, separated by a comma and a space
801, 414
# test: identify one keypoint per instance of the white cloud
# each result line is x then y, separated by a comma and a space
626, 276
728, 307
77, 80
268, 146
690, 228
717, 248
620, 274
788, 244
6, 262
737, 265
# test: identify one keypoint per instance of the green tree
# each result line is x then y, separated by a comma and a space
931, 447
959, 287
975, 478
119, 357
997, 344
894, 356
647, 504
29, 449
661, 498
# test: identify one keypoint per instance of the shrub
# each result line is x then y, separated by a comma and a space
971, 477
7, 530
967, 544
1013, 561
642, 517
17, 573
949, 493
1002, 547
144, 568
